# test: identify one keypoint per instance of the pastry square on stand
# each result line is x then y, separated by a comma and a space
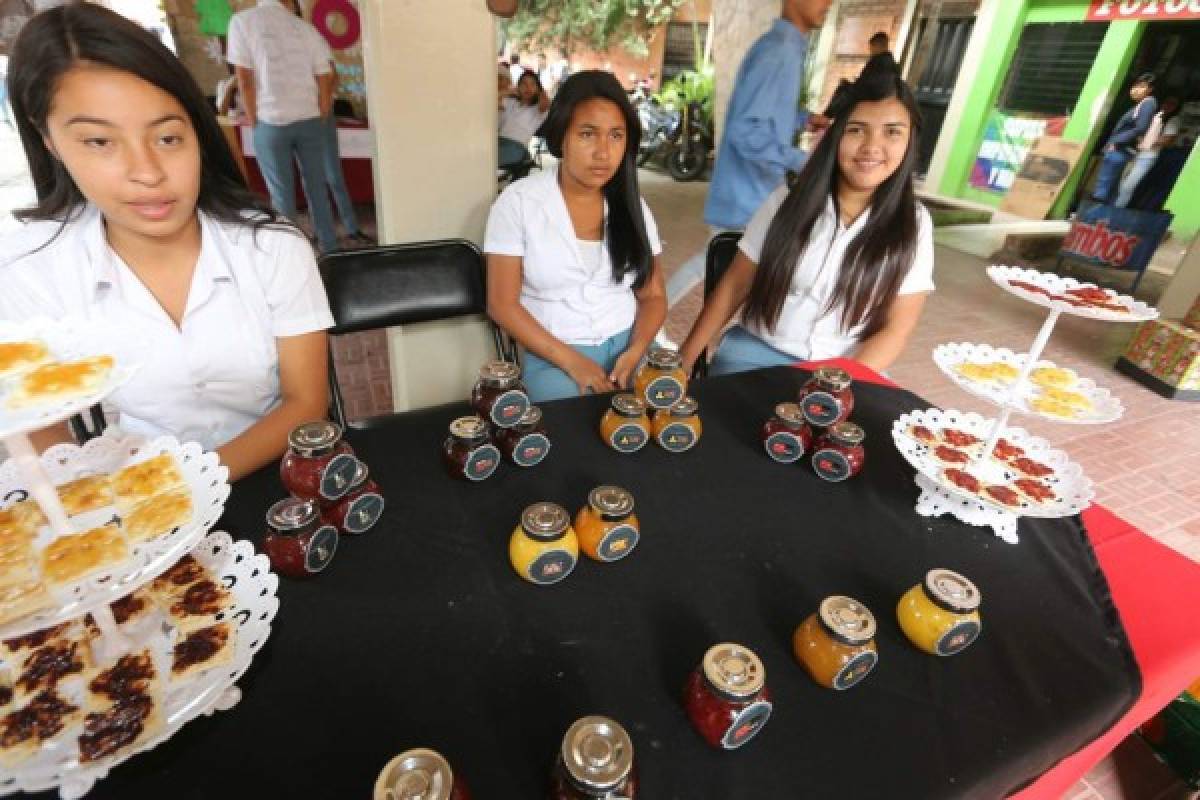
70, 558
119, 726
57, 381
55, 664
25, 729
196, 605
18, 357
86, 494
159, 515
139, 482
202, 649
183, 574
20, 599
135, 672
19, 646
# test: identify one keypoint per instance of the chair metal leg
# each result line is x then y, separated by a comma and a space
337, 408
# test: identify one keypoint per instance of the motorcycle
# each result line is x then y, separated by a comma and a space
660, 129
689, 157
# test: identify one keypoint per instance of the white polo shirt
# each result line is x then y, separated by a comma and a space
805, 330
286, 54
518, 122
575, 299
214, 376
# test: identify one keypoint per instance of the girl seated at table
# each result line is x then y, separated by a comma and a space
840, 263
143, 221
573, 273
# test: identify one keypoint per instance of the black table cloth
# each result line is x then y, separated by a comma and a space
420, 633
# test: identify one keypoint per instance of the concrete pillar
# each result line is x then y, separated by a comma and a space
1184, 287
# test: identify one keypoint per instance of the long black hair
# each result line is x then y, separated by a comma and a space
625, 232
879, 257
59, 39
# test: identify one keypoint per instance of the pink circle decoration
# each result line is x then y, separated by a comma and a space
320, 20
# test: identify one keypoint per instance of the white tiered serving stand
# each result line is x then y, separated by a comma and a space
246, 576
1074, 491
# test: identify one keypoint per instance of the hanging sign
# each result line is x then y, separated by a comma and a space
1110, 10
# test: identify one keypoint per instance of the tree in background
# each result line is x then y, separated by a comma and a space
594, 24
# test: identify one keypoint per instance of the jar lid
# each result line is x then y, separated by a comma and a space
469, 428
418, 775
597, 753
545, 521
531, 417
627, 405
291, 513
847, 620
361, 473
832, 378
952, 591
664, 358
314, 438
734, 671
685, 408
611, 502
790, 413
499, 372
847, 433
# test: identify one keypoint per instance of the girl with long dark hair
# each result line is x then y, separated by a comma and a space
840, 263
143, 220
573, 273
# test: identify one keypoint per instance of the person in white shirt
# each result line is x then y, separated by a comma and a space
286, 87
1161, 134
840, 264
143, 223
522, 112
572, 252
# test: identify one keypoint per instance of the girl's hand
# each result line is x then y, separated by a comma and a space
622, 371
588, 375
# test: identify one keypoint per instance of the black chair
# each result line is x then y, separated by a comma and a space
721, 250
87, 424
380, 287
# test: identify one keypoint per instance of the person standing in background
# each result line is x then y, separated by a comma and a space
1119, 150
335, 179
286, 89
1161, 134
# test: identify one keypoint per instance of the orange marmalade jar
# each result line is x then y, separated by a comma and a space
836, 644
625, 426
607, 527
661, 381
678, 428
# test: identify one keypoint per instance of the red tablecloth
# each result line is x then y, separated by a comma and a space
1156, 591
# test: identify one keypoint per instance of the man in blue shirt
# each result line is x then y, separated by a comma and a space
1122, 143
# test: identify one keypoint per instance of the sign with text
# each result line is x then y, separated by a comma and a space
1119, 238
1110, 10
1007, 140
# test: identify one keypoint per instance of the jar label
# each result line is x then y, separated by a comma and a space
320, 549
958, 638
530, 450
821, 408
830, 464
508, 408
337, 475
365, 510
551, 567
664, 392
482, 462
628, 438
677, 437
618, 542
855, 670
784, 447
749, 721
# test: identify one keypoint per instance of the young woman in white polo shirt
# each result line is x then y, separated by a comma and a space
840, 263
572, 251
143, 220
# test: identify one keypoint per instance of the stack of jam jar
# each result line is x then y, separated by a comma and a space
544, 546
659, 389
332, 493
818, 425
505, 425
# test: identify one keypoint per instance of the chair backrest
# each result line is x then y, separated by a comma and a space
721, 250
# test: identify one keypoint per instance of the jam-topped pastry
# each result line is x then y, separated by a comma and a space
678, 428
468, 451
1001, 494
202, 649
1006, 450
298, 542
838, 453
319, 464
543, 547
498, 395
941, 615
120, 725
726, 697
922, 434
1031, 287
525, 444
607, 527
962, 479
786, 436
957, 438
950, 455
625, 426
1034, 469
45, 667
360, 508
420, 774
836, 643
595, 762
826, 398
186, 570
661, 382
132, 674
40, 719
1034, 490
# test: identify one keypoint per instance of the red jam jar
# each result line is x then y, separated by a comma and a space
360, 508
419, 775
726, 697
827, 399
319, 464
595, 763
786, 436
526, 443
838, 453
468, 451
298, 542
499, 396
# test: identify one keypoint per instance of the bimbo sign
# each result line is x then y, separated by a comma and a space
1098, 243
1121, 238
1109, 10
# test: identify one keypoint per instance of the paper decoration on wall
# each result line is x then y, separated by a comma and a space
338, 22
214, 16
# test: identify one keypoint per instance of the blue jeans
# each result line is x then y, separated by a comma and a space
275, 146
740, 350
1137, 170
545, 381
1109, 176
337, 180
510, 153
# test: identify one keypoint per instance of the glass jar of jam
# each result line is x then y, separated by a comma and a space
319, 464
298, 542
827, 399
726, 697
543, 548
836, 644
499, 396
468, 451
359, 508
838, 453
526, 443
607, 527
941, 615
661, 381
419, 775
786, 436
625, 426
595, 763
678, 428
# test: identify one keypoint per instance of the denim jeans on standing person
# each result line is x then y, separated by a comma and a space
1108, 177
1137, 170
337, 180
740, 350
274, 146
545, 381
